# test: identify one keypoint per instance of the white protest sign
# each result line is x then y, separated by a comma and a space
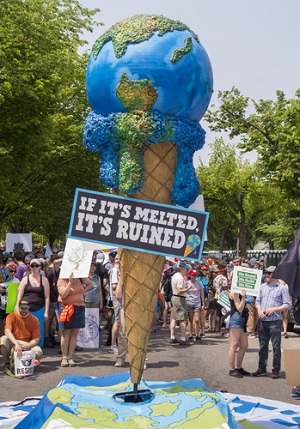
88, 337
21, 242
246, 278
25, 365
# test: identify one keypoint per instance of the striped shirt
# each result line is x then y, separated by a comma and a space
273, 296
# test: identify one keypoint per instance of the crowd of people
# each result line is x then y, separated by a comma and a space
188, 299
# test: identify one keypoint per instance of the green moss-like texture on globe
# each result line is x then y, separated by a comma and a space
136, 94
180, 52
136, 30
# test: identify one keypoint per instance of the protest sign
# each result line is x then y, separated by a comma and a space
224, 300
12, 294
246, 278
25, 365
137, 224
21, 242
88, 337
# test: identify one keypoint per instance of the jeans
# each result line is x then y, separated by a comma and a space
269, 331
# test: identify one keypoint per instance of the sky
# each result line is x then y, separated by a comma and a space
252, 44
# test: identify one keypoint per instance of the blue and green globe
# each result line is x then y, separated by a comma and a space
157, 49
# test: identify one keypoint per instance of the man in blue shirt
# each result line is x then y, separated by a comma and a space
273, 298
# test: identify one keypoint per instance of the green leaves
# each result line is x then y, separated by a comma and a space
273, 130
43, 107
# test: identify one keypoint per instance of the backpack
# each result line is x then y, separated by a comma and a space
167, 288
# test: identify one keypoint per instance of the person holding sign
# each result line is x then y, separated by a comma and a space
22, 331
273, 298
238, 334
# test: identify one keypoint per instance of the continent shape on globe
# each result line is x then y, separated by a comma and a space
173, 60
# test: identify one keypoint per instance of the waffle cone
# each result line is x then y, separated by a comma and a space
141, 272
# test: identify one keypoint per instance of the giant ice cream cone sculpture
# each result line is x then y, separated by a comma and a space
149, 82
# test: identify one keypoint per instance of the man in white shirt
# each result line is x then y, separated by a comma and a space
179, 307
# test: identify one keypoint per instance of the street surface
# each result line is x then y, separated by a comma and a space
206, 360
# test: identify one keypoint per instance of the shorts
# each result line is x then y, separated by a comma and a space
196, 308
179, 308
4, 341
77, 320
117, 309
237, 320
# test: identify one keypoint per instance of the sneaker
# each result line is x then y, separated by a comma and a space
202, 335
226, 335
220, 334
275, 374
190, 338
243, 372
174, 341
37, 362
119, 363
198, 338
295, 393
251, 336
71, 362
259, 373
64, 362
235, 373
113, 349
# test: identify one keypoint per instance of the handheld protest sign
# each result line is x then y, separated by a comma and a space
12, 294
246, 278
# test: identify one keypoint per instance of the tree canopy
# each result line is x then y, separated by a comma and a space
43, 107
273, 130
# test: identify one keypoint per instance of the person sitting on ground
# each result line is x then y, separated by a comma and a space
22, 331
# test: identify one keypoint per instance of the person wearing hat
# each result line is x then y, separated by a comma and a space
273, 298
22, 331
179, 306
195, 304
36, 290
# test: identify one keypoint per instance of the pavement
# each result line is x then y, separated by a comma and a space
206, 360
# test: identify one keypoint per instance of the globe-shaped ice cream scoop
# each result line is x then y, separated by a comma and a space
157, 49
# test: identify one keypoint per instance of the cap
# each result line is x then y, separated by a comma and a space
213, 269
193, 272
166, 267
271, 269
94, 262
112, 254
183, 264
24, 303
11, 266
35, 261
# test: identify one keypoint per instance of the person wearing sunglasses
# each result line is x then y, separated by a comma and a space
273, 298
36, 290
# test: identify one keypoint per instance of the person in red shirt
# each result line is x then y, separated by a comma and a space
22, 331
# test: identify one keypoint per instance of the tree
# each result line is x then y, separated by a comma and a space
43, 106
235, 195
273, 130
